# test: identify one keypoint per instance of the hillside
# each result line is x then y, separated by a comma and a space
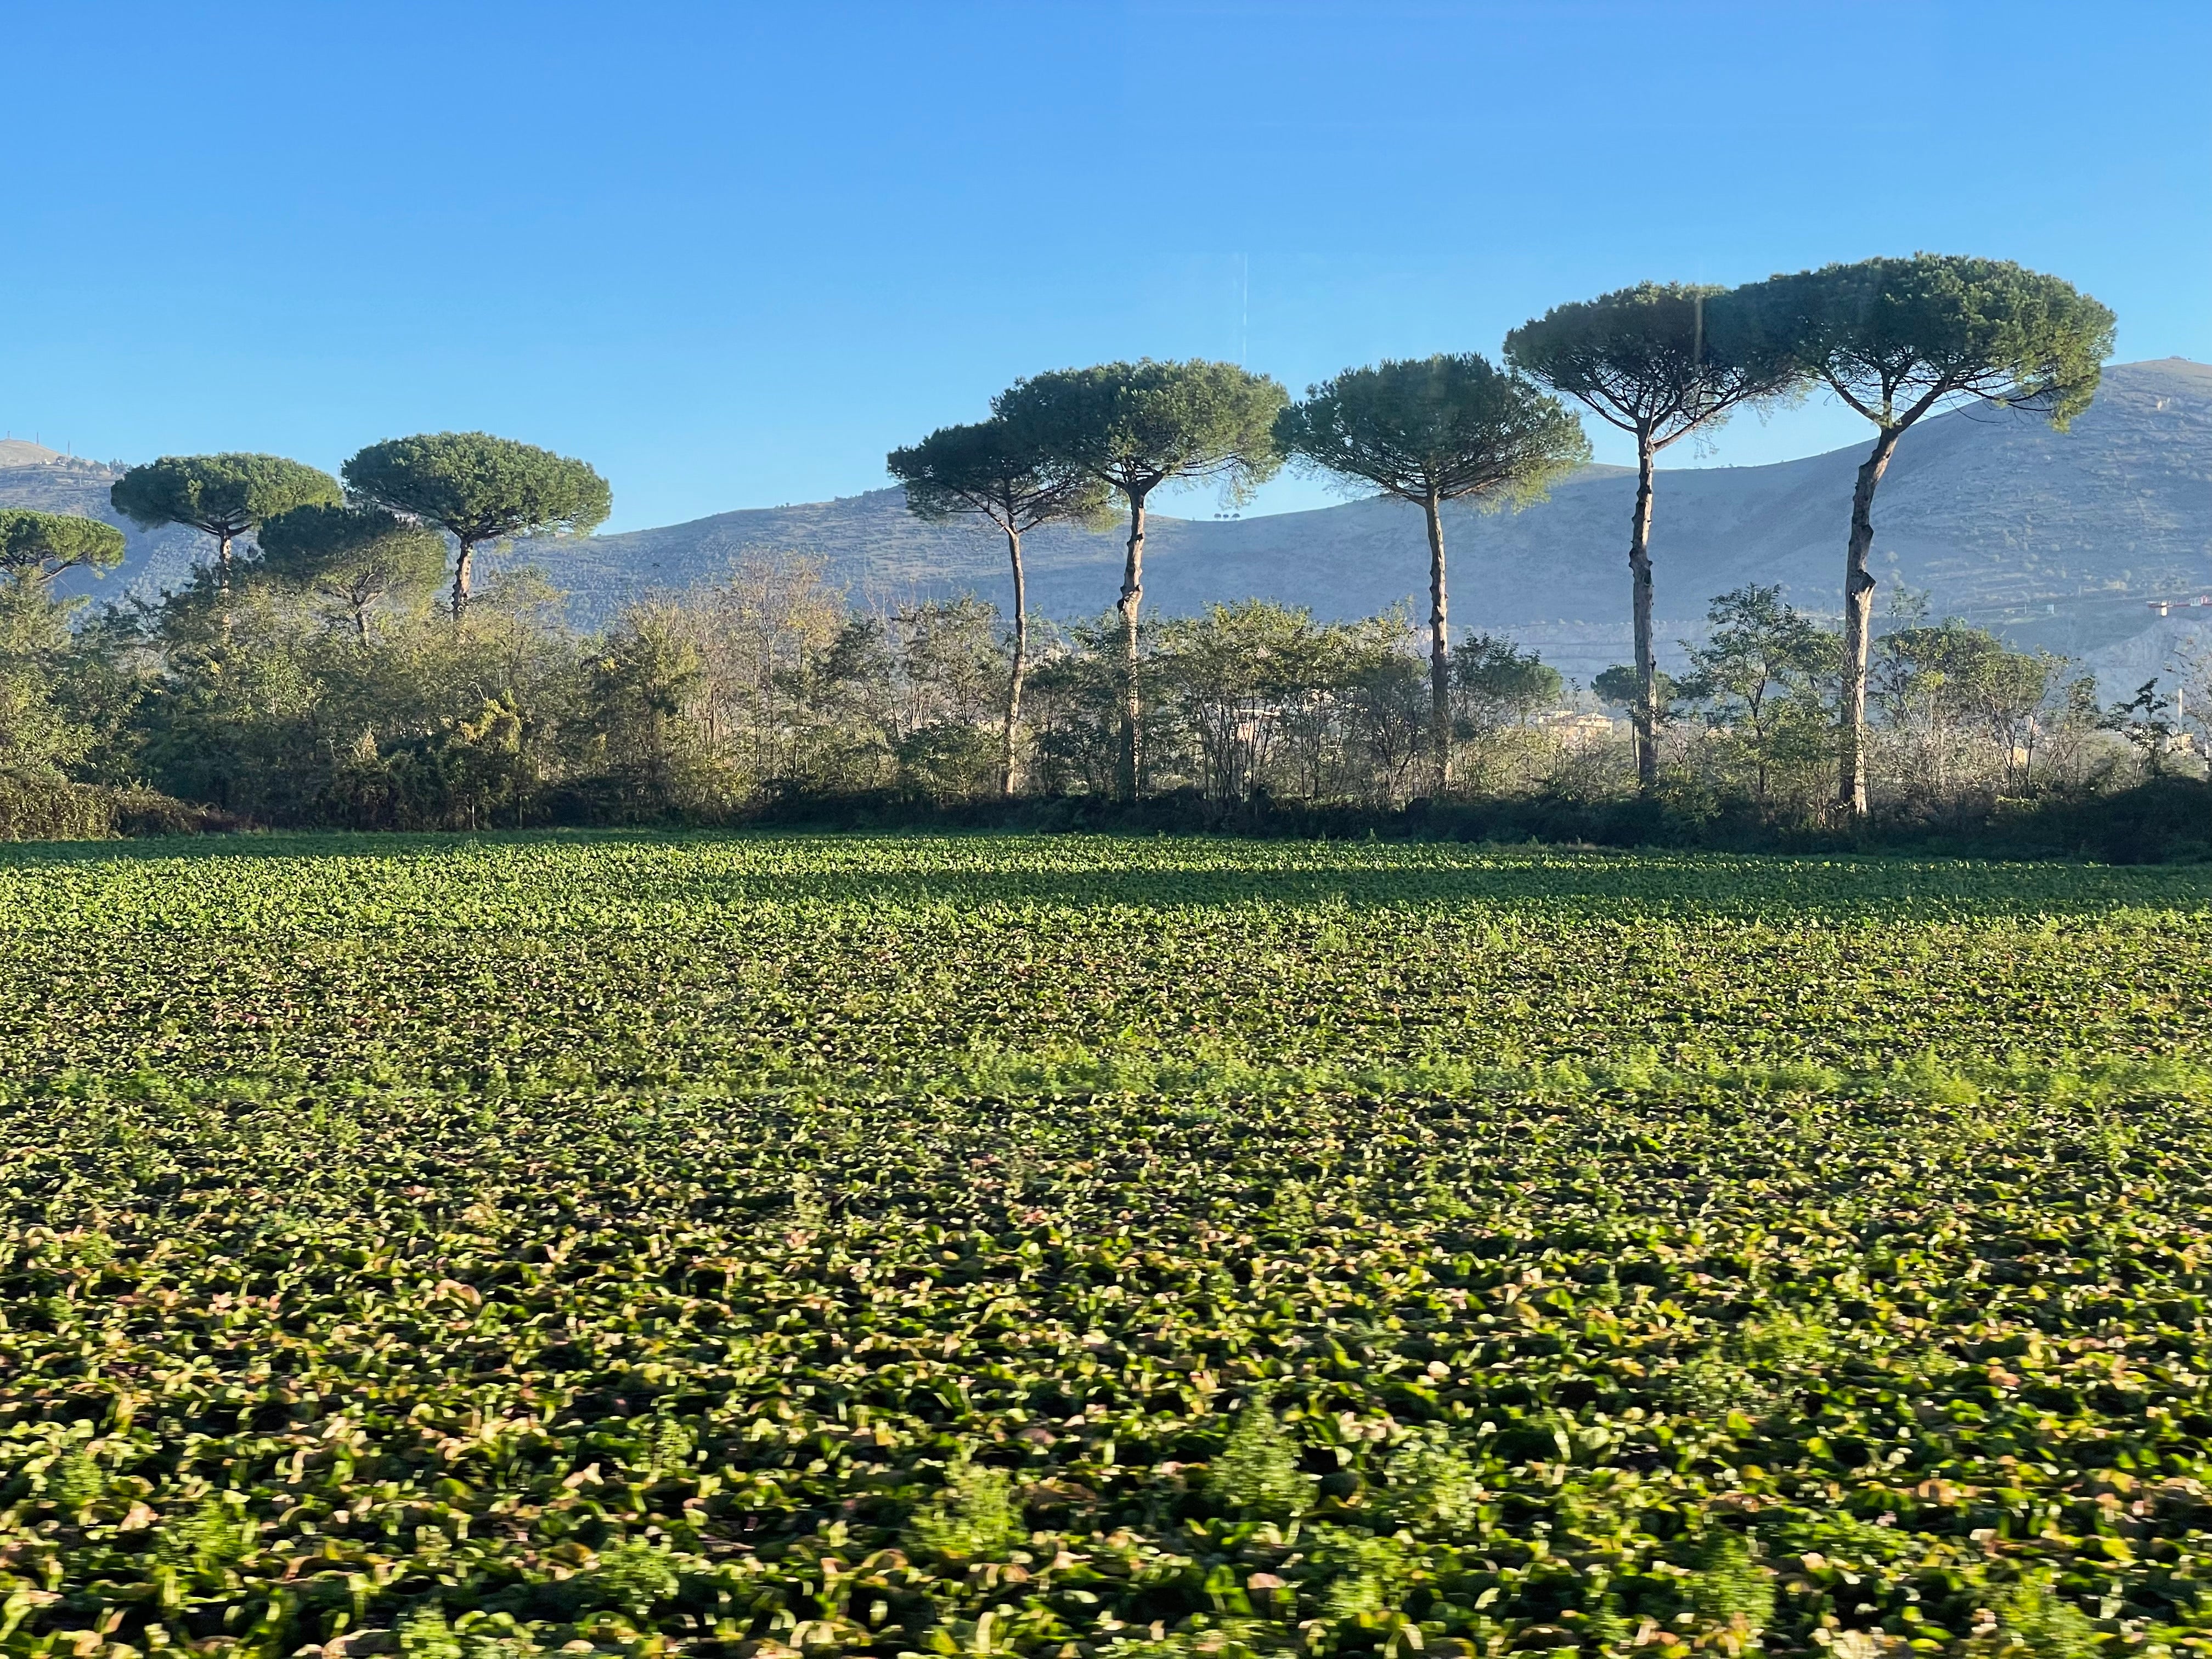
2056, 539
34, 476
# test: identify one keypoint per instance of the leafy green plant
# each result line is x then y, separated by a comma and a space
976, 1516
1257, 1470
668, 1446
1730, 1590
1758, 1365
425, 1634
1431, 1485
212, 1538
76, 1483
1365, 1573
634, 1578
2033, 1618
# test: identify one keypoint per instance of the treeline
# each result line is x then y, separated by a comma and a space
311, 671
1894, 340
272, 700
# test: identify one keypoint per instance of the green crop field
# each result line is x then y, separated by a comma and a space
761, 1246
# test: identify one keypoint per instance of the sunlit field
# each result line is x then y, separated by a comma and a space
1067, 1246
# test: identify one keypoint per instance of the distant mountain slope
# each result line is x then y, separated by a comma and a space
35, 476
2056, 539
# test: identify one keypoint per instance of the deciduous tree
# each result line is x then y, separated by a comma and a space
478, 488
1429, 431
1236, 669
1644, 360
52, 716
1760, 669
989, 469
353, 556
1499, 684
1898, 339
1938, 684
1134, 427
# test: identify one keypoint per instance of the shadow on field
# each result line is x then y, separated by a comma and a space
560, 881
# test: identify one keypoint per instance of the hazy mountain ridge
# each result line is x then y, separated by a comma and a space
2055, 539
34, 476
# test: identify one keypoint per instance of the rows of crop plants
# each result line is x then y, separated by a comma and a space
1085, 1247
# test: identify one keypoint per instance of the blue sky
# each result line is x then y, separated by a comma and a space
732, 253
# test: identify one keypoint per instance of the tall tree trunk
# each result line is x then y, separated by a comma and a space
1439, 652
1133, 595
1021, 662
1754, 705
461, 580
222, 579
1858, 618
1645, 716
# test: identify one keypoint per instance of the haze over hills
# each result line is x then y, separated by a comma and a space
34, 476
2055, 540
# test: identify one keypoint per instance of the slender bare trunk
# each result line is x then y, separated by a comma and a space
1021, 661
1858, 618
222, 579
1133, 595
1754, 706
461, 580
1646, 712
361, 622
1439, 652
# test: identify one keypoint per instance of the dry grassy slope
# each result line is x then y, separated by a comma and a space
2055, 538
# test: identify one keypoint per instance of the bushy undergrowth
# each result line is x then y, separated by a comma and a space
1091, 1247
45, 808
2157, 821
768, 696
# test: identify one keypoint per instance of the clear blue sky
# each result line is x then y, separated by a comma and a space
732, 253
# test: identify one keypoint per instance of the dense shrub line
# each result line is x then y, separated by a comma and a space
770, 697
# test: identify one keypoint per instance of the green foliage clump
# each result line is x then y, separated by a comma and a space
1366, 1574
634, 1578
1730, 1590
224, 496
41, 545
425, 1634
668, 1446
77, 1483
1432, 1486
208, 1540
1257, 1470
976, 1516
2033, 1619
1758, 1366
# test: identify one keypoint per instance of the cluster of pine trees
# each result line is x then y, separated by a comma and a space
308, 674
1896, 339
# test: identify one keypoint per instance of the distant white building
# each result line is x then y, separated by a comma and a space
1577, 730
